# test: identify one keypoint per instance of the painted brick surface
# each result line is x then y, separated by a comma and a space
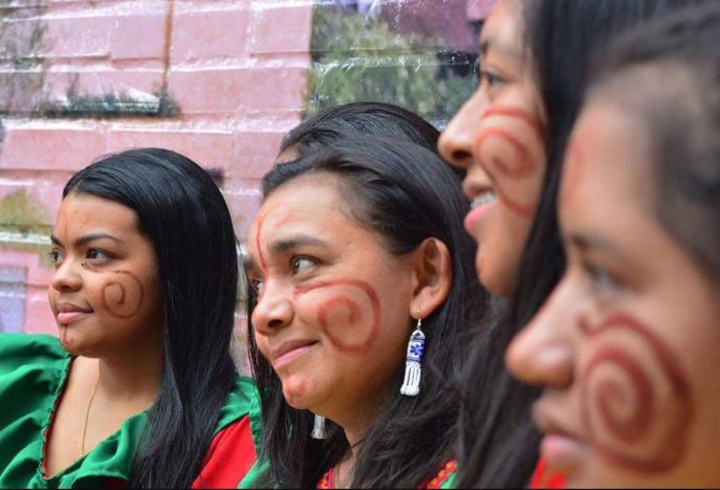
219, 63
84, 78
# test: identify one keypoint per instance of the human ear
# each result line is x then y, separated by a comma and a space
433, 277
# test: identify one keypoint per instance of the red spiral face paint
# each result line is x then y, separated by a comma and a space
121, 297
333, 323
106, 283
353, 312
517, 113
505, 172
630, 418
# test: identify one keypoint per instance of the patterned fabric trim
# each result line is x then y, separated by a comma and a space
445, 473
327, 480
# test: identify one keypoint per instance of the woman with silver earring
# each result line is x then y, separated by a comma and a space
362, 303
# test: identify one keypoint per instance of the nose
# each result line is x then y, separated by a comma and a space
67, 278
274, 309
543, 352
456, 142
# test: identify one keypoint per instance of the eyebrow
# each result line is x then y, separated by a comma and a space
591, 242
282, 246
489, 42
87, 238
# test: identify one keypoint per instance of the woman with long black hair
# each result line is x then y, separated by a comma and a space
510, 137
362, 307
140, 388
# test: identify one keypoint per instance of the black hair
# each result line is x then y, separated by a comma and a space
499, 444
678, 58
183, 213
359, 119
412, 437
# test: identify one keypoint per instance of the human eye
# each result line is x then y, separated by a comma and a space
302, 264
55, 257
490, 79
600, 278
97, 255
257, 285
486, 77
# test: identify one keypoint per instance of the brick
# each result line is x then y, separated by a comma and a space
38, 315
78, 37
209, 149
285, 28
101, 82
51, 146
138, 37
239, 155
238, 90
209, 34
243, 208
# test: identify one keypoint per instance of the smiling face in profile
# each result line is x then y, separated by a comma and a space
333, 308
626, 346
105, 292
499, 138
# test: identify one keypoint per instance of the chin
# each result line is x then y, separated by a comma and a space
496, 285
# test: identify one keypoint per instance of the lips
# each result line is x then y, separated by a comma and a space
288, 351
561, 448
68, 313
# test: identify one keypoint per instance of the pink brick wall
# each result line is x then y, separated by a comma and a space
236, 68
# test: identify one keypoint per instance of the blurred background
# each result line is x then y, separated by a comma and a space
218, 80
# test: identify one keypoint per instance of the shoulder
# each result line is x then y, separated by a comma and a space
18, 350
232, 456
243, 400
32, 372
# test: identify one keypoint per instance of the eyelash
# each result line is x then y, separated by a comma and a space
97, 251
491, 78
294, 263
601, 279
56, 259
53, 256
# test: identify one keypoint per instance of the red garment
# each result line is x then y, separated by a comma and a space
544, 477
448, 470
230, 457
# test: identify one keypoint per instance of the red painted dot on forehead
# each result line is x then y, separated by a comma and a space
258, 245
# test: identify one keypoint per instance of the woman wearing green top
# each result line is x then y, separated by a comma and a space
140, 388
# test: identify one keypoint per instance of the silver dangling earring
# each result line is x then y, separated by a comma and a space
416, 347
319, 431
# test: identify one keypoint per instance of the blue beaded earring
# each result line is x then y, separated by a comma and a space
413, 371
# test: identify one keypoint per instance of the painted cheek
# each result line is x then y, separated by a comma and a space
121, 292
509, 156
347, 311
635, 400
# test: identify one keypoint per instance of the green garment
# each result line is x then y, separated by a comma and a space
33, 372
451, 482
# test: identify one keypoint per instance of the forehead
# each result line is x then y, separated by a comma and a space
317, 204
607, 167
503, 29
79, 212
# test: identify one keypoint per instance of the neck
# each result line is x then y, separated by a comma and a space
132, 377
345, 470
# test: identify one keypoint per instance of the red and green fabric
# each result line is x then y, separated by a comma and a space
33, 374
